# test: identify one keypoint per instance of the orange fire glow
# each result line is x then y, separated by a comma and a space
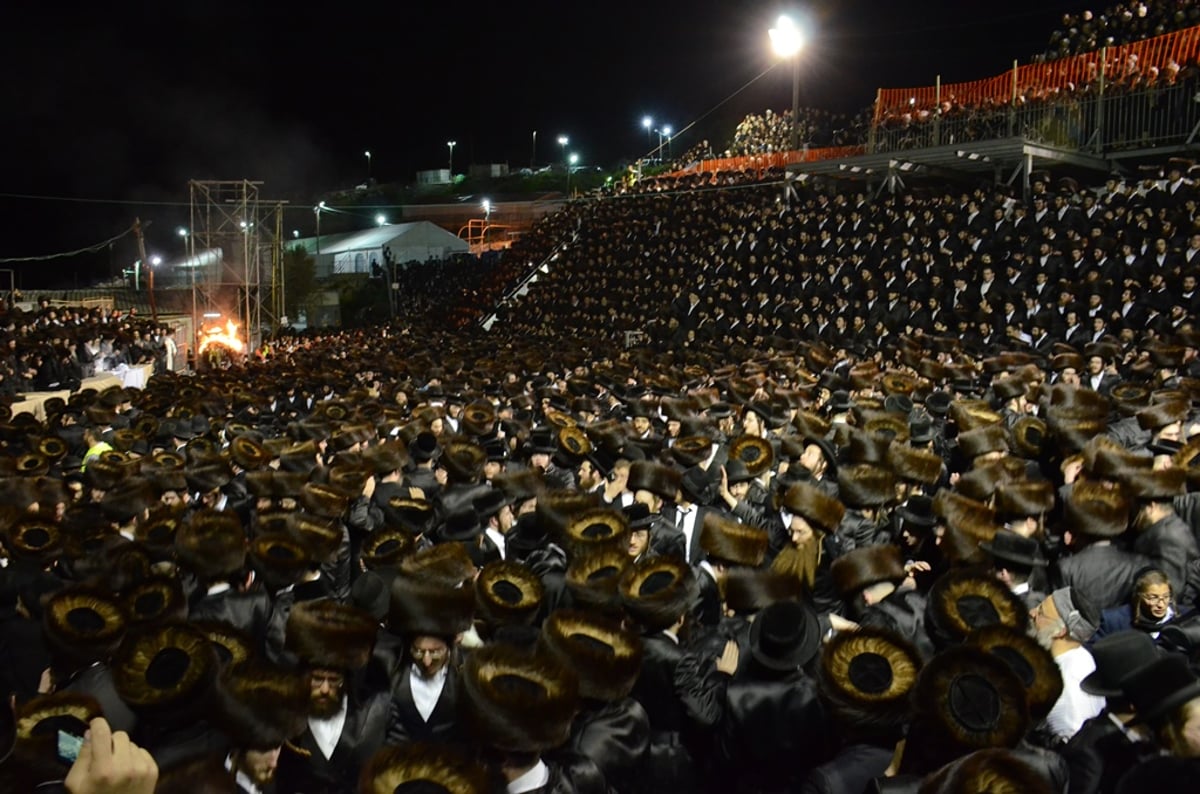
226, 337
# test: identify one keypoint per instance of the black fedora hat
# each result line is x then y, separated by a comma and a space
785, 636
1117, 657
1160, 687
1008, 546
917, 511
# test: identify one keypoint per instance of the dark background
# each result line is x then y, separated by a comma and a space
112, 108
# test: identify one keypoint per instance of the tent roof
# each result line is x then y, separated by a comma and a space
375, 237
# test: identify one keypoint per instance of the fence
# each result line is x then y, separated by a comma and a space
1117, 119
1158, 58
761, 162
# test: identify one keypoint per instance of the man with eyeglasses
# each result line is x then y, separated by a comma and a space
428, 617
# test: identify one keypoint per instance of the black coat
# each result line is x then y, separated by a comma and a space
406, 724
773, 731
304, 769
1103, 573
850, 771
1099, 754
1170, 545
616, 737
669, 763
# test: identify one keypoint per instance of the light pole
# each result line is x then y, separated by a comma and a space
647, 122
667, 132
787, 40
381, 220
317, 209
563, 140
571, 161
451, 144
368, 156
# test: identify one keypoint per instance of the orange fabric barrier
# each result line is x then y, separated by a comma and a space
1154, 59
760, 162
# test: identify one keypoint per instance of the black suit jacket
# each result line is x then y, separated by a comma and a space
304, 769
1104, 573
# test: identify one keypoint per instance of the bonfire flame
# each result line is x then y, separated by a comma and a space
226, 337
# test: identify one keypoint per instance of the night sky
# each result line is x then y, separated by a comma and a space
116, 106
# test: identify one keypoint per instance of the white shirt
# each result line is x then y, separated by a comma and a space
687, 525
240, 778
497, 537
532, 780
425, 692
1074, 706
327, 732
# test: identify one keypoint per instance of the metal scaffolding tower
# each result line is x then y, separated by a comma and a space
245, 282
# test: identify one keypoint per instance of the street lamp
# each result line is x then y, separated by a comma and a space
563, 140
317, 209
647, 122
368, 156
787, 40
487, 210
381, 220
667, 131
571, 161
451, 144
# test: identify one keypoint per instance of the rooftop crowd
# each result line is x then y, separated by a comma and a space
897, 492
772, 132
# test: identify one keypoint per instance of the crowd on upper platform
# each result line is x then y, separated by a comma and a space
772, 132
1119, 24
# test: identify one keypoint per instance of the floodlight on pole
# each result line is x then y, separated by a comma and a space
381, 220
787, 40
451, 144
648, 123
368, 156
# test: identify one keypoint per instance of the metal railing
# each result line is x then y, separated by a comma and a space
1115, 119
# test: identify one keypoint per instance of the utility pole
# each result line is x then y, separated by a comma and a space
141, 241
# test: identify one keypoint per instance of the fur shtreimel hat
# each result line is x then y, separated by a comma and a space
1024, 499
866, 566
867, 676
424, 606
262, 705
814, 506
966, 700
422, 768
657, 478
330, 635
1094, 510
731, 541
748, 591
517, 702
605, 657
167, 671
987, 771
508, 593
756, 453
1160, 485
963, 601
83, 624
592, 576
596, 526
866, 486
1106, 459
989, 438
916, 465
657, 591
212, 544
1029, 661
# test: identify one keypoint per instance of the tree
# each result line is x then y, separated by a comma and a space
299, 280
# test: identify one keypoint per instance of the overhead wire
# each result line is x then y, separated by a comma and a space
85, 250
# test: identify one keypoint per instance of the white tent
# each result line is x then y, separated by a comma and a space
355, 252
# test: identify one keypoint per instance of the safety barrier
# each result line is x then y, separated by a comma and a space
1157, 59
766, 160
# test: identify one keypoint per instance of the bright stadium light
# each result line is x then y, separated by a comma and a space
381, 220
787, 39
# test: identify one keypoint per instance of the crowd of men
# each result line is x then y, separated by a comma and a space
772, 132
1119, 24
898, 492
761, 486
